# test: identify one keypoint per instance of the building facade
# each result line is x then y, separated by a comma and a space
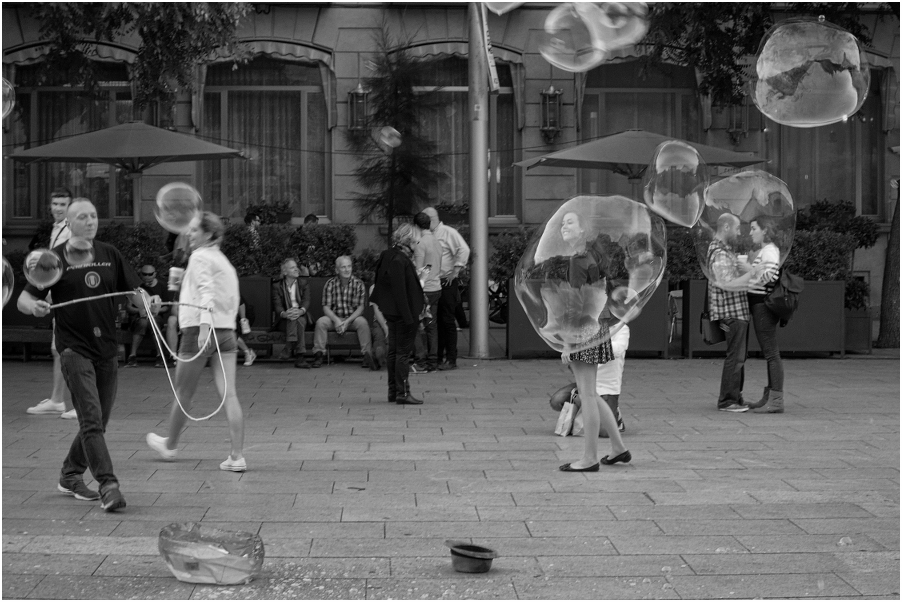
287, 110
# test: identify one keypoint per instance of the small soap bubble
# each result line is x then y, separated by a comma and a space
809, 73
177, 204
845, 541
43, 268
9, 281
675, 183
78, 251
9, 97
725, 230
499, 8
390, 137
591, 267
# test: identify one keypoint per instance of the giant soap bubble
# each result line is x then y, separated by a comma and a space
675, 183
177, 204
809, 73
9, 97
9, 281
499, 8
78, 251
580, 35
43, 268
596, 258
731, 205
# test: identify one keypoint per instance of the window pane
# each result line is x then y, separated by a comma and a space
264, 71
267, 126
316, 158
448, 127
836, 163
870, 152
20, 124
211, 171
505, 128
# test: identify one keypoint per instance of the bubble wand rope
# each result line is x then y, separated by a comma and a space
161, 344
65, 303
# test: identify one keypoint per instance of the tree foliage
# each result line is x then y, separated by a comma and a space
174, 38
397, 181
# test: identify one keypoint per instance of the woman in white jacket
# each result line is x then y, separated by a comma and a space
210, 281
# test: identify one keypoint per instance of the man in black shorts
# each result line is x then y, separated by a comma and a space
87, 342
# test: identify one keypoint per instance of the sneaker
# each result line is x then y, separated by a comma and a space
47, 407
285, 354
239, 465
76, 487
249, 357
112, 499
448, 366
158, 444
132, 362
733, 407
317, 360
70, 415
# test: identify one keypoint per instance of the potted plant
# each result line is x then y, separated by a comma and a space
453, 213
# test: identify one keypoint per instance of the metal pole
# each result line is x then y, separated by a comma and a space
479, 186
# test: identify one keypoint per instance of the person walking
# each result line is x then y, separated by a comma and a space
399, 296
211, 282
87, 342
427, 255
587, 267
767, 264
455, 254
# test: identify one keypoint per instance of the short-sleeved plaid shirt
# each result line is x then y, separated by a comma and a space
724, 304
344, 300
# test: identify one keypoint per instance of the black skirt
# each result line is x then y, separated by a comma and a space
601, 352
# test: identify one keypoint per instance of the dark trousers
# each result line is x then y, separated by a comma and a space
766, 330
93, 385
733, 376
397, 360
430, 330
447, 324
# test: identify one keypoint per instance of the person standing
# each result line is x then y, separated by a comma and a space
344, 300
399, 296
210, 282
767, 262
727, 303
455, 253
87, 342
290, 301
60, 400
427, 255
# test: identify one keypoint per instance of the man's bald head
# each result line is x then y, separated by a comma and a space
82, 216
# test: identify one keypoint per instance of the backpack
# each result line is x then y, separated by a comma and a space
783, 301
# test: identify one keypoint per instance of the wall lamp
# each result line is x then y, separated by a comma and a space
551, 114
357, 109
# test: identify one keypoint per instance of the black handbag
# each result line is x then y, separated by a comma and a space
712, 333
783, 300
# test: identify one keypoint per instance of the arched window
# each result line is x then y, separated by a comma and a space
275, 112
53, 110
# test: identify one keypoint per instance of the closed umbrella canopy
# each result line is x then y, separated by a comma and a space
628, 153
133, 147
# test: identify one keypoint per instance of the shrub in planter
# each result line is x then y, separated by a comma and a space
319, 245
271, 213
365, 264
682, 260
140, 244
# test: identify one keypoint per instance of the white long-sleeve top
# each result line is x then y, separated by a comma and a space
455, 251
769, 260
209, 281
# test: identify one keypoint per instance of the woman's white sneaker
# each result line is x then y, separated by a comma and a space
239, 465
158, 444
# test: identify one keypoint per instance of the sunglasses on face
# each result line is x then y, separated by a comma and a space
148, 273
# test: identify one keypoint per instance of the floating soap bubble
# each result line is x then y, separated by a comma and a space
78, 251
9, 281
731, 205
570, 42
499, 8
675, 183
596, 258
43, 268
196, 553
809, 73
177, 204
9, 97
621, 24
390, 137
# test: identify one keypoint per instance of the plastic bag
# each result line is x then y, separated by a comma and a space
565, 419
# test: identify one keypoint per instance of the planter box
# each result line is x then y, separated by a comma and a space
648, 333
858, 330
819, 325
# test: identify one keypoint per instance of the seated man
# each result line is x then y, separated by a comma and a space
290, 301
344, 300
608, 380
166, 319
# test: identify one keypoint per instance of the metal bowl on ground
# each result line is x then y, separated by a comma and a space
470, 558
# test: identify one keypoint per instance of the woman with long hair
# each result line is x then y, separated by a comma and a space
765, 268
399, 296
587, 267
210, 281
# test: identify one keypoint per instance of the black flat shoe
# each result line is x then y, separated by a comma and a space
568, 468
624, 457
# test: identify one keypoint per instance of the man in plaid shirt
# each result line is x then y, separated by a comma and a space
728, 303
344, 299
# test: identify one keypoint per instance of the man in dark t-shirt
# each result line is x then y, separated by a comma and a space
87, 341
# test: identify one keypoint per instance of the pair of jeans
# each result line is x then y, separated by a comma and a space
733, 376
397, 360
430, 328
324, 326
93, 384
766, 330
447, 323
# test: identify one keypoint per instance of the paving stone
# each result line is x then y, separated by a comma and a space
592, 528
481, 587
760, 511
649, 566
455, 530
768, 544
816, 585
846, 526
727, 527
434, 567
548, 546
873, 583
759, 564
18, 586
383, 548
116, 565
314, 530
687, 512
671, 544
70, 544
50, 564
594, 588
395, 514
111, 588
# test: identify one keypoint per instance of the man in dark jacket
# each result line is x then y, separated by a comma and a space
291, 300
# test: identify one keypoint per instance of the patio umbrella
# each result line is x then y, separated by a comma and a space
628, 153
133, 147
